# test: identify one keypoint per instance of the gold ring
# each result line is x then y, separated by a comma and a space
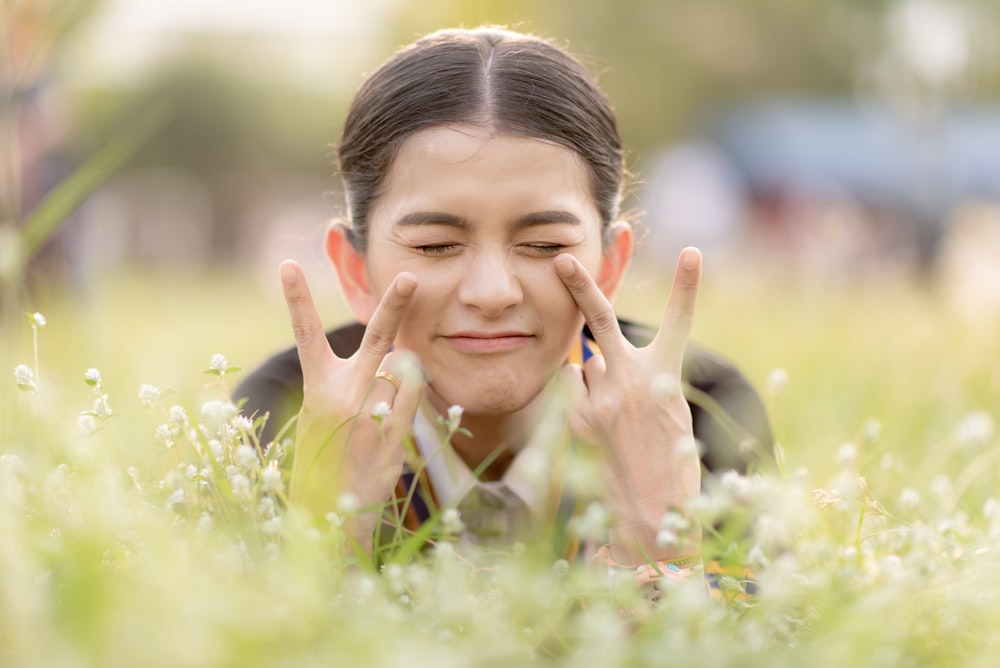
385, 375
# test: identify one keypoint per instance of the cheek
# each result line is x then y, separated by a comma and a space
428, 306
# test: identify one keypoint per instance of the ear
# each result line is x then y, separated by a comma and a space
615, 259
352, 272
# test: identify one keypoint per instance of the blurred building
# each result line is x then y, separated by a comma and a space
834, 181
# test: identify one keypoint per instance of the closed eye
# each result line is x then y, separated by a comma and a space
436, 249
544, 249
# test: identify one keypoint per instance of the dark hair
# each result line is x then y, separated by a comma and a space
513, 83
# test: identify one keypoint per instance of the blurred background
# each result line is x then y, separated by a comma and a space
831, 135
843, 153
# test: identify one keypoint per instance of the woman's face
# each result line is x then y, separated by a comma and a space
478, 218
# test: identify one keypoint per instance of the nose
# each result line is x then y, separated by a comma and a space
490, 284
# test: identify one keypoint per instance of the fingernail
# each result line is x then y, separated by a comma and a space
288, 273
689, 258
564, 266
406, 284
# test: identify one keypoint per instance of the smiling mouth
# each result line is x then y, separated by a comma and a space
488, 343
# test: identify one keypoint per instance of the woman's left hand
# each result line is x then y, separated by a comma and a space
629, 402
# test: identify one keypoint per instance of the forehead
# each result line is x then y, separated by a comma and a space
468, 169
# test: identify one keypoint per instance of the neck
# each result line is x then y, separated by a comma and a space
495, 439
494, 442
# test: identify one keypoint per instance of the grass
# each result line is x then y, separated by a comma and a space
888, 409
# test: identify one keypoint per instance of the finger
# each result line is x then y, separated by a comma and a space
596, 308
393, 408
594, 370
405, 366
384, 323
573, 389
310, 338
678, 319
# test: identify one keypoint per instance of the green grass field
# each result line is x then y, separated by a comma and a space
887, 407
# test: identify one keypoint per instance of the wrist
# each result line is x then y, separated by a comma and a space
649, 572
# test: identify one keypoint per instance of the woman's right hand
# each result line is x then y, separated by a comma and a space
339, 446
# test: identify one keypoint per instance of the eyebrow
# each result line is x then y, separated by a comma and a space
528, 220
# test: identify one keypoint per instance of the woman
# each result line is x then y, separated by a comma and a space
483, 173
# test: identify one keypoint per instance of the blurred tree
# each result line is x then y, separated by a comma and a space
235, 132
666, 62
30, 34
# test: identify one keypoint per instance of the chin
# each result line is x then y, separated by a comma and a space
487, 399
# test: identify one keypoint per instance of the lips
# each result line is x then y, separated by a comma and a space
488, 342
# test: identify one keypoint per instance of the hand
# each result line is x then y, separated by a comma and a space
339, 446
630, 403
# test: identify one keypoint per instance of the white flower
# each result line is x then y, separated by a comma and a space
241, 486
687, 446
381, 411
991, 509
218, 411
271, 478
149, 394
667, 538
271, 527
872, 429
940, 485
847, 455
739, 487
592, 524
173, 479
892, 566
11, 463
909, 499
204, 522
219, 363
243, 423
38, 320
165, 433
24, 377
92, 377
101, 407
560, 567
215, 445
266, 507
176, 497
454, 417
674, 521
451, 521
756, 557
348, 503
87, 424
776, 380
665, 386
191, 471
975, 428
178, 414
246, 456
